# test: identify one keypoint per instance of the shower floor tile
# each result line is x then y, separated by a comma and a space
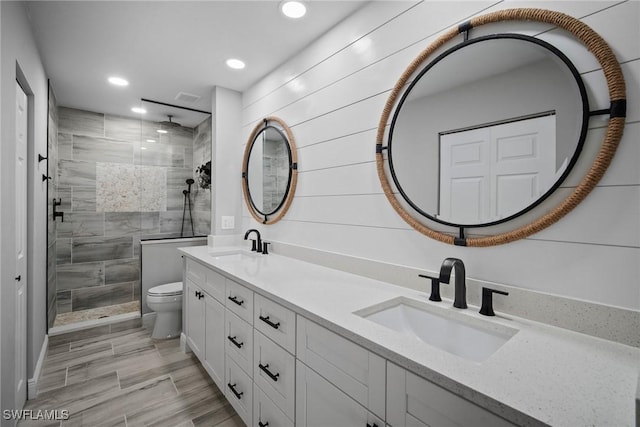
96, 313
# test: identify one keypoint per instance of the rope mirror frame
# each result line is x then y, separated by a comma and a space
617, 111
291, 189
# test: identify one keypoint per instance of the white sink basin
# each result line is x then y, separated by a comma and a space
234, 255
467, 337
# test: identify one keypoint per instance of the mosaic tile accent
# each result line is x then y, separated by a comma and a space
130, 188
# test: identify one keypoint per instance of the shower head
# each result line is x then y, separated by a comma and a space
170, 124
190, 181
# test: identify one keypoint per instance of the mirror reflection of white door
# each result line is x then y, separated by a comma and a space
490, 173
21, 249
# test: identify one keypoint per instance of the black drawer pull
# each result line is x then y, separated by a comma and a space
261, 424
233, 389
236, 300
233, 340
374, 425
269, 322
265, 369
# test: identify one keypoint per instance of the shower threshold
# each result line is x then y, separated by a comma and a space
66, 322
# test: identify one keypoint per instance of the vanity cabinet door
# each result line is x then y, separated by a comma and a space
194, 318
353, 369
320, 404
214, 339
413, 401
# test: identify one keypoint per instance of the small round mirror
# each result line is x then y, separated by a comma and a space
269, 170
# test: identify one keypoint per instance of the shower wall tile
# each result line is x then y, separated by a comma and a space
63, 251
180, 136
83, 199
81, 275
150, 222
123, 128
51, 273
74, 172
102, 150
171, 222
177, 177
81, 224
122, 223
88, 249
188, 157
80, 122
201, 200
64, 194
65, 146
101, 296
162, 154
63, 300
122, 271
175, 199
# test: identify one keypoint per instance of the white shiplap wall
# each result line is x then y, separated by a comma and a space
332, 95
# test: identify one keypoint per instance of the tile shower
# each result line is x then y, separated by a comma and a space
118, 181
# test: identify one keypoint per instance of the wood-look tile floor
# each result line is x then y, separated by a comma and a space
117, 376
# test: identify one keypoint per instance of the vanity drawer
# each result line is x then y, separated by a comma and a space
274, 373
240, 301
265, 411
211, 282
276, 322
196, 272
215, 285
239, 391
239, 341
353, 369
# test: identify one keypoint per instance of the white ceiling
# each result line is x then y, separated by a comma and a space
167, 47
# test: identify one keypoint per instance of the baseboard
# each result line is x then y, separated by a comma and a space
32, 383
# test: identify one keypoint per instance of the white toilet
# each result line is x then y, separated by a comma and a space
166, 301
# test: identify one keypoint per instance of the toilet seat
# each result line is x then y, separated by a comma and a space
166, 290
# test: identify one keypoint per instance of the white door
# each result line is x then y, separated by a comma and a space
490, 173
21, 249
523, 157
465, 183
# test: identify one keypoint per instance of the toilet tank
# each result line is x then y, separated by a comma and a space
161, 263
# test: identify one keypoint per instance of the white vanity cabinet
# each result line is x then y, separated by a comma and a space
414, 401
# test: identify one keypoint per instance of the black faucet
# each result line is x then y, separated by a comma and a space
256, 244
460, 300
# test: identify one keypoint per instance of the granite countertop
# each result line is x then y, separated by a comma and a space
543, 375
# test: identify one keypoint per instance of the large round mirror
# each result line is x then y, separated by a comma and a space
487, 130
269, 170
480, 130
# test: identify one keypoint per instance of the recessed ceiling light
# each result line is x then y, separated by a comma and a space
139, 110
293, 9
151, 140
236, 64
162, 131
118, 81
